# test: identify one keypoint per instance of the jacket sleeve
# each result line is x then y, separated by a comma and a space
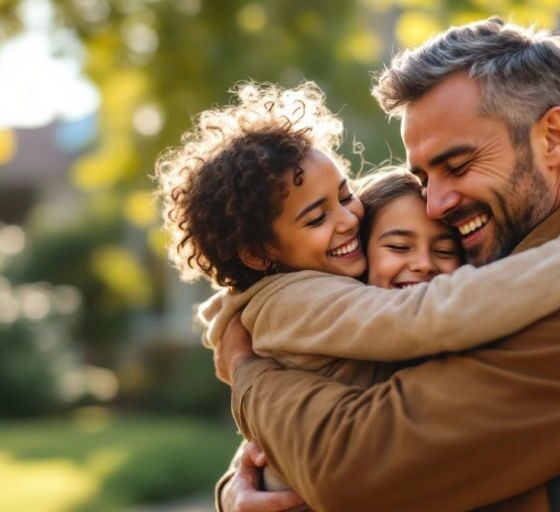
346, 319
454, 433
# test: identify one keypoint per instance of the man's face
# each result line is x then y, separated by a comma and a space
475, 179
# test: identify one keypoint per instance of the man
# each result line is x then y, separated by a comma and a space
480, 120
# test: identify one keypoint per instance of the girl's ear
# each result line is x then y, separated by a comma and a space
252, 261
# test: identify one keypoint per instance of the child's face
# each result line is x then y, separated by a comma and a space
406, 247
318, 226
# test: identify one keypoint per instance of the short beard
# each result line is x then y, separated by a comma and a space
523, 203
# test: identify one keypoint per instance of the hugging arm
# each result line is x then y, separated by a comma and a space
238, 489
452, 313
465, 429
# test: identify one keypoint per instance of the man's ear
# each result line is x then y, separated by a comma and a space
549, 125
251, 260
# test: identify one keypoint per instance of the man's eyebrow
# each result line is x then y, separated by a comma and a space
396, 232
319, 202
450, 153
442, 157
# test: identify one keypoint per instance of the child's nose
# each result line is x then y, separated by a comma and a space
347, 220
423, 263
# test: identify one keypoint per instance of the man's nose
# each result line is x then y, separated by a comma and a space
440, 198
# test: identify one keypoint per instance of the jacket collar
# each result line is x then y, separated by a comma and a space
548, 229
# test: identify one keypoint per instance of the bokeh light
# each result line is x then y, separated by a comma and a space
140, 208
252, 18
148, 119
414, 27
7, 145
12, 240
122, 273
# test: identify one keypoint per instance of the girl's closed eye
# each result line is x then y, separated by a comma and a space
446, 253
445, 248
317, 221
346, 199
398, 247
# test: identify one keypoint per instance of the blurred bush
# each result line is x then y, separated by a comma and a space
173, 378
28, 379
36, 346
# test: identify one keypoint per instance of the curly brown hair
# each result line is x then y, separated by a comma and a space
226, 184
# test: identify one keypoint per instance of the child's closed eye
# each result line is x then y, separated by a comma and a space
398, 247
446, 253
346, 199
317, 221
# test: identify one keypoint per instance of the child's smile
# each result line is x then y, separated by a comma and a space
319, 223
406, 247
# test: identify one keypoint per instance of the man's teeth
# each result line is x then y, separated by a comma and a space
345, 249
473, 225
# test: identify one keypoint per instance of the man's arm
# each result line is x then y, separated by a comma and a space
465, 430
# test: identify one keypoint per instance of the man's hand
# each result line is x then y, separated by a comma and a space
234, 348
241, 492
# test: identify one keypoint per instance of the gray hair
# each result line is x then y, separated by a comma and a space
517, 68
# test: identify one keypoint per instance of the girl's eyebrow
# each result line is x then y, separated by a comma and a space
310, 207
316, 204
397, 232
407, 232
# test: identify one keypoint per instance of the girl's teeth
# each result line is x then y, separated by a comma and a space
345, 249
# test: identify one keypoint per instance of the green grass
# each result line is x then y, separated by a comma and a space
96, 462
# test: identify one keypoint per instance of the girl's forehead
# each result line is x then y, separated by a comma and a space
408, 213
317, 172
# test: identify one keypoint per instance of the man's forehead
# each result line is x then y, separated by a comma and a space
445, 112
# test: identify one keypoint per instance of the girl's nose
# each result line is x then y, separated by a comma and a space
423, 263
347, 220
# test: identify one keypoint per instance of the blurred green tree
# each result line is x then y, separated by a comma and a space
157, 64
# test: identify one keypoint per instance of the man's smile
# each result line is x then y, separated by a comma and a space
472, 225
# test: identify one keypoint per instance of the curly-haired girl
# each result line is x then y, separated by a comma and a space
258, 201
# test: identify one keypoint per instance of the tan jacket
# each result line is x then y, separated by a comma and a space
451, 434
337, 326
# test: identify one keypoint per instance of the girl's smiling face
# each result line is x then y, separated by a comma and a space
318, 228
406, 247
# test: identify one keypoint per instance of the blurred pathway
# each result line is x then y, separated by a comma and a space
193, 505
